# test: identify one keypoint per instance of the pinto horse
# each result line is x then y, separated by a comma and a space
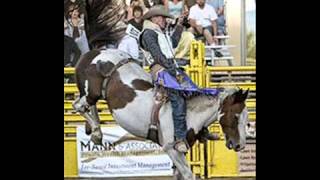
111, 75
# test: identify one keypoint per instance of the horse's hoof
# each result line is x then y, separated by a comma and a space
96, 137
96, 140
88, 129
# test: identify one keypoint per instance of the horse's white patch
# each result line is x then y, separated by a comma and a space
242, 123
198, 120
86, 87
113, 55
135, 72
137, 111
219, 115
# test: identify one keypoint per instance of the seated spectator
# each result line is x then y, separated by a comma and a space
175, 8
137, 20
182, 51
218, 5
71, 52
75, 28
202, 18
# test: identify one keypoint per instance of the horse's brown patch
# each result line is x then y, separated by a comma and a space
141, 85
87, 58
104, 68
231, 106
80, 69
118, 93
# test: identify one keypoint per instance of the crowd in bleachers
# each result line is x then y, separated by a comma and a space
203, 20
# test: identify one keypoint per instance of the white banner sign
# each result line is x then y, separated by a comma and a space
122, 155
247, 160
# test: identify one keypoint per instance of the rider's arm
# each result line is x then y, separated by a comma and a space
175, 37
150, 43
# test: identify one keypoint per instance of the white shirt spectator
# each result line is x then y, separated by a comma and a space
81, 41
203, 16
129, 45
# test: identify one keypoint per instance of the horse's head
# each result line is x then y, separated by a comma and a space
233, 120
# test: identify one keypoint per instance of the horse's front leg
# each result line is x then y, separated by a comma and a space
179, 161
176, 174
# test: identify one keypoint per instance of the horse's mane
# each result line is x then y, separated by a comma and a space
105, 20
197, 100
205, 100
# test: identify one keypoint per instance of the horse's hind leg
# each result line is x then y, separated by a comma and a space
93, 95
96, 133
88, 128
92, 122
76, 107
94, 112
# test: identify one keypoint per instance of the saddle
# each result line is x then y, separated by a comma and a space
160, 97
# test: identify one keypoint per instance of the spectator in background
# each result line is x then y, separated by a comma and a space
71, 50
202, 18
189, 3
137, 20
75, 28
175, 8
218, 5
71, 57
134, 3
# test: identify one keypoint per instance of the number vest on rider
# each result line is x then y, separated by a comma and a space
164, 39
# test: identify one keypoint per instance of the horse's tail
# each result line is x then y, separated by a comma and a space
80, 69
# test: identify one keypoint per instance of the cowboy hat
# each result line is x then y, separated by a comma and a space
157, 10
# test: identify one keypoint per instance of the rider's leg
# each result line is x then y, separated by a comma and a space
179, 114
